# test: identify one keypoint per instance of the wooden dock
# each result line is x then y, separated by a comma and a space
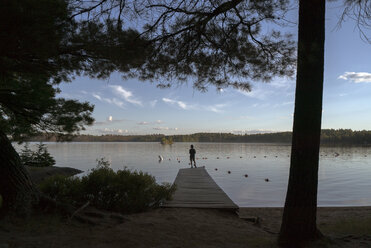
196, 189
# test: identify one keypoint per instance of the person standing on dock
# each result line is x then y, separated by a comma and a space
192, 153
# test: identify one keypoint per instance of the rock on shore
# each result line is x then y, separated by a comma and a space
39, 174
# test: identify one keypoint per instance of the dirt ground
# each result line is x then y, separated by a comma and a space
176, 227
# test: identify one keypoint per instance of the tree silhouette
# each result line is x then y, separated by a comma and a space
300, 212
218, 43
41, 46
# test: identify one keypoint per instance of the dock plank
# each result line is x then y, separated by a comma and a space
196, 189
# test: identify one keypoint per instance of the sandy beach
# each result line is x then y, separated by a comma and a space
181, 227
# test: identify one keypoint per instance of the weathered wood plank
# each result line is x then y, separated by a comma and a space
196, 189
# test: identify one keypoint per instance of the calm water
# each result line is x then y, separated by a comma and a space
344, 180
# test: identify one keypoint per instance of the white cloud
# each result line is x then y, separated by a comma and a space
111, 131
97, 96
261, 105
356, 77
150, 123
143, 123
165, 128
181, 104
257, 93
282, 84
118, 103
114, 101
255, 131
125, 94
283, 104
109, 121
216, 108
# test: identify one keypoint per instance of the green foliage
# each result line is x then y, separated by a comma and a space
219, 43
122, 191
39, 158
42, 46
103, 163
167, 140
63, 189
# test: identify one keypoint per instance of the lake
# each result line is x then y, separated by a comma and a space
344, 174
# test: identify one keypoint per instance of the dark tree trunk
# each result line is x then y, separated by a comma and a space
299, 217
16, 187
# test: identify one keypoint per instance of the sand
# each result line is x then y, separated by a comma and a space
180, 227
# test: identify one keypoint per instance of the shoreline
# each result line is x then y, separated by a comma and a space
343, 226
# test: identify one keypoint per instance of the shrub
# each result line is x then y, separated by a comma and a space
63, 189
39, 158
122, 191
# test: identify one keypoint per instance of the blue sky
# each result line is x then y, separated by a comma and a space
134, 107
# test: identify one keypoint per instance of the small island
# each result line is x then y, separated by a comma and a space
167, 141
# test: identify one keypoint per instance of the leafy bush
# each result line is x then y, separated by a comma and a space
122, 191
39, 158
63, 189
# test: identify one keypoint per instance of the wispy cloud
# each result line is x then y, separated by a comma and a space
179, 103
113, 101
125, 94
97, 96
70, 95
109, 120
216, 108
256, 131
118, 131
261, 105
282, 84
356, 77
165, 128
283, 104
143, 123
150, 123
257, 93
264, 91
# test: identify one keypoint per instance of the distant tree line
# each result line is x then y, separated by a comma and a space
328, 137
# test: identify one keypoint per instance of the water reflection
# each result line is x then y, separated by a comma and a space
343, 175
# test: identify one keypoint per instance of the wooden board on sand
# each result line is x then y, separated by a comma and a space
196, 189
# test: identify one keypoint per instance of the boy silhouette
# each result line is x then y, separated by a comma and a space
192, 153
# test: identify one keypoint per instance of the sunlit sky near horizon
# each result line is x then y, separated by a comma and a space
134, 107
